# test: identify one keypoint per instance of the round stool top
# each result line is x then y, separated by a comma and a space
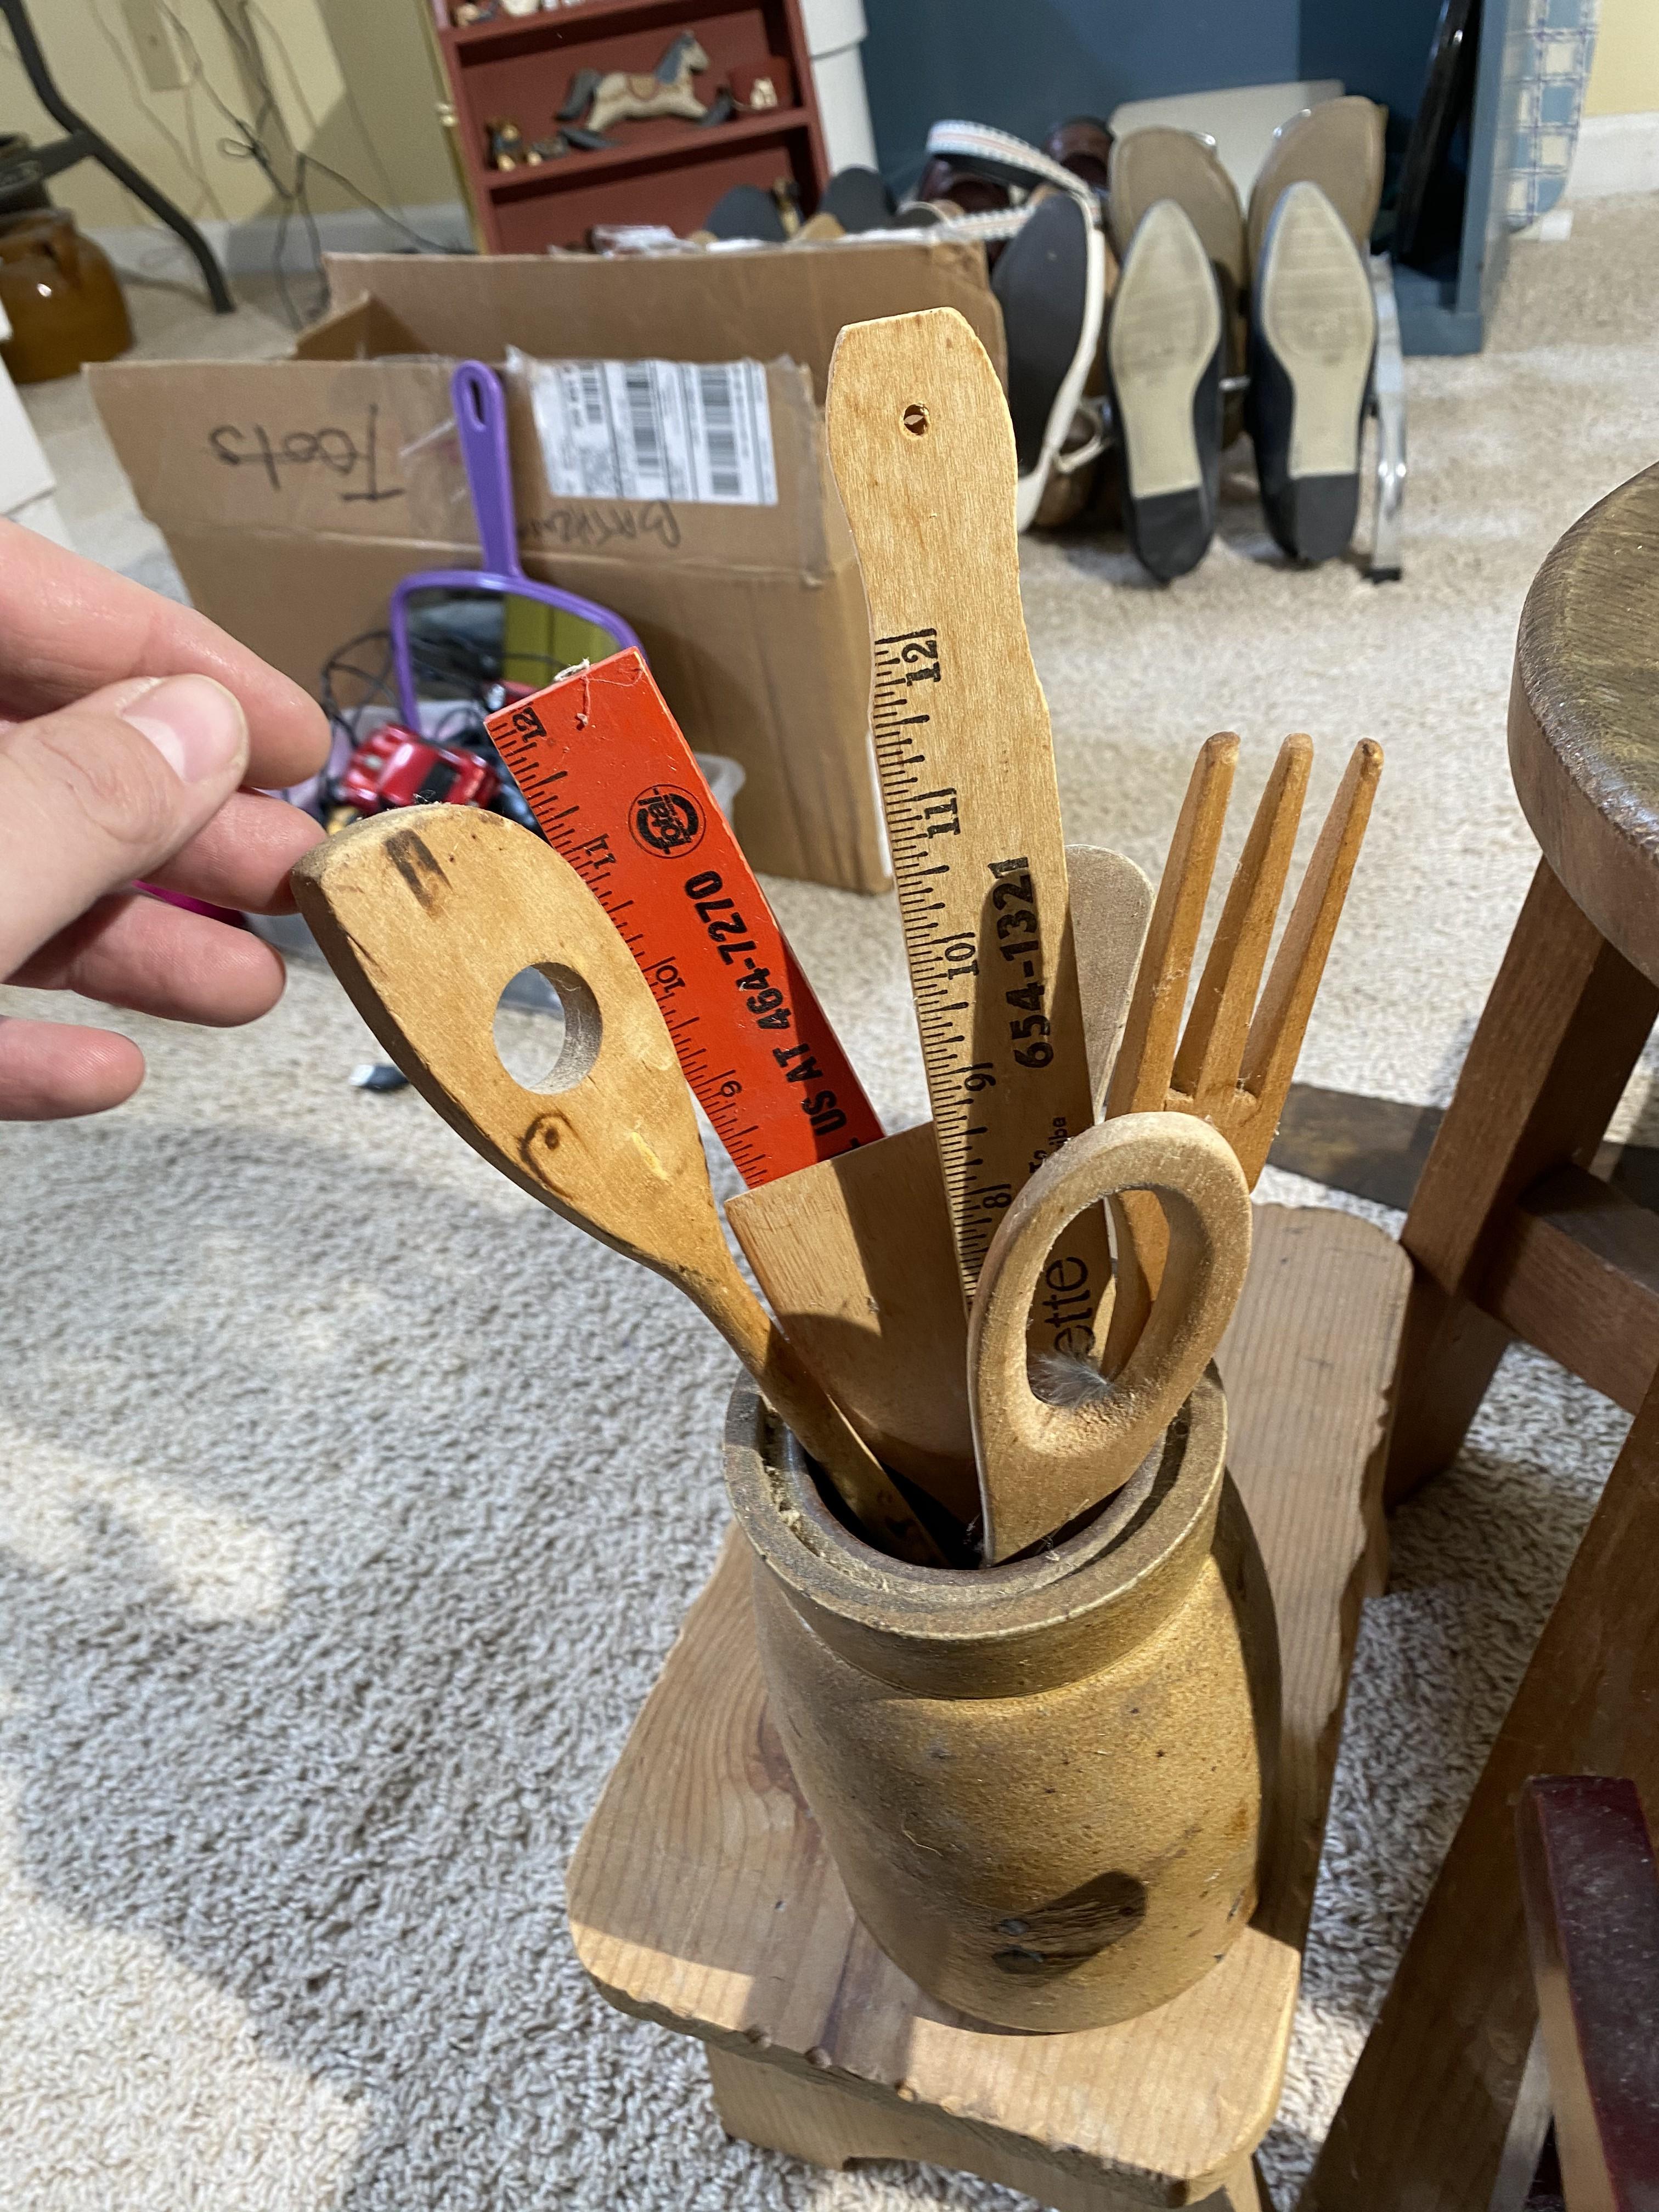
1585, 717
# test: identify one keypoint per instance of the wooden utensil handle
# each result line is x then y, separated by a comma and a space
1042, 1464
799, 1400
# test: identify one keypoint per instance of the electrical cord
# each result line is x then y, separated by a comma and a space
250, 143
189, 158
450, 662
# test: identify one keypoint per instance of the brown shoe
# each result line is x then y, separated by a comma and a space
1337, 146
1163, 164
946, 179
1069, 492
1084, 147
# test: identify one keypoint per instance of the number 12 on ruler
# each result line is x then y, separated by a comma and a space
984, 932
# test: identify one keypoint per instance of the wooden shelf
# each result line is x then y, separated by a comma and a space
666, 169
578, 21
687, 141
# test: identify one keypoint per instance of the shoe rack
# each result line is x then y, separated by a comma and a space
665, 170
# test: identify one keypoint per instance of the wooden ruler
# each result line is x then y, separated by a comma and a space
617, 792
923, 454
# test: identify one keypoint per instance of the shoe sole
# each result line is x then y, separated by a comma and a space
1314, 309
1050, 282
1166, 323
1337, 146
1163, 164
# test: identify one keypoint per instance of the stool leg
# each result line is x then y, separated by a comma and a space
812, 2118
815, 2120
1563, 1027
1425, 2119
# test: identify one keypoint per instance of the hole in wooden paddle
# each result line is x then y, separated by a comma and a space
547, 1028
916, 420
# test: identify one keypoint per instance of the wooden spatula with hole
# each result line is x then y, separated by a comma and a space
855, 1255
1043, 1464
425, 916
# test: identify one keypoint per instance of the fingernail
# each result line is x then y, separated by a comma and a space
195, 724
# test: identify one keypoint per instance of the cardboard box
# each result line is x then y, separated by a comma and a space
293, 494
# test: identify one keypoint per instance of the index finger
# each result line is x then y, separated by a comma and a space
68, 626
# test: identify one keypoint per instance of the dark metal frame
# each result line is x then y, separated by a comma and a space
82, 143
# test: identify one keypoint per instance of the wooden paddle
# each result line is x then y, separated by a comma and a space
855, 1255
923, 453
425, 914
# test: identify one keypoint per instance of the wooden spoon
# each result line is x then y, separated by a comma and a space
425, 914
855, 1254
1042, 1464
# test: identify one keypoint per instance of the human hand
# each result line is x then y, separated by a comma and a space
129, 728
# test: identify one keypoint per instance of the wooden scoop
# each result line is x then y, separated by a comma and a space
425, 914
1042, 1464
855, 1255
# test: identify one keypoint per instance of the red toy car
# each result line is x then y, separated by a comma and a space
394, 768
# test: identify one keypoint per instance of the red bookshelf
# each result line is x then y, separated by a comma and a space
665, 170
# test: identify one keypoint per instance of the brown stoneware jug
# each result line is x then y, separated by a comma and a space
1045, 1784
61, 296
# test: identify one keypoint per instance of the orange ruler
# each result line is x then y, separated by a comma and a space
617, 792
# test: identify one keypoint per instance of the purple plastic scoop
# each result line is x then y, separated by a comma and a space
480, 408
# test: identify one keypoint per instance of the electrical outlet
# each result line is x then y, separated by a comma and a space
158, 56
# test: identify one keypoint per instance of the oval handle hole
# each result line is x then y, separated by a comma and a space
548, 1028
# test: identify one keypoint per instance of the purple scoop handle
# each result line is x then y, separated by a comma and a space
480, 407
481, 419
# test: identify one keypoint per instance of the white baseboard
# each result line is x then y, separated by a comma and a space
248, 248
1616, 154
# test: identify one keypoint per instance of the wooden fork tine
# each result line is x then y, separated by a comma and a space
1145, 1058
1213, 1045
1281, 1019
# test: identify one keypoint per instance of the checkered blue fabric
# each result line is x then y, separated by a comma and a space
1558, 38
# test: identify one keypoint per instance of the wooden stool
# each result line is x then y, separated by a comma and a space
701, 1896
1592, 1899
1510, 1234
1450, 2099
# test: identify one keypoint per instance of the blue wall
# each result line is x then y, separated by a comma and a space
1025, 65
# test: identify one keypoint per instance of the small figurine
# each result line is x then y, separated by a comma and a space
522, 7
548, 149
506, 147
621, 97
758, 86
465, 12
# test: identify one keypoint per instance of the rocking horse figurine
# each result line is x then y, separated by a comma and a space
622, 97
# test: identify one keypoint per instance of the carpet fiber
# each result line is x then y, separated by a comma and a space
349, 1501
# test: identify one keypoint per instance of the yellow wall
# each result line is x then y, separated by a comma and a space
1625, 76
317, 53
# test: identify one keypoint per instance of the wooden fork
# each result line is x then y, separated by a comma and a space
1232, 1063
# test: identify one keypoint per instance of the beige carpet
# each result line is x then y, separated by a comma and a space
348, 1502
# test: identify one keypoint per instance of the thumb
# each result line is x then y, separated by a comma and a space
104, 791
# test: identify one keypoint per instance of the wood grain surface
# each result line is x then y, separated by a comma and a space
1561, 1030
1588, 1885
1426, 2116
1232, 1062
855, 1255
923, 453
1040, 1464
701, 1895
425, 916
1583, 732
